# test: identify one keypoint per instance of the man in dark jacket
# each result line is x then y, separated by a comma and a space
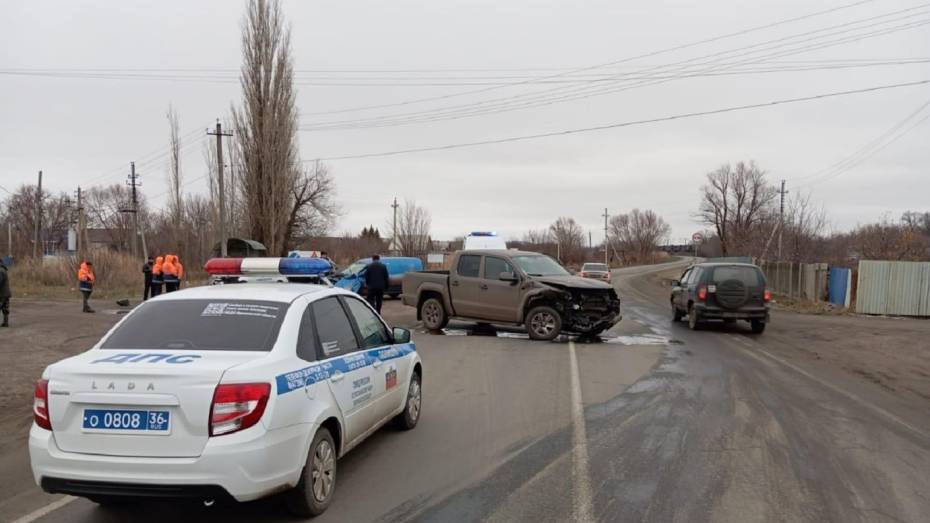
147, 275
5, 294
376, 279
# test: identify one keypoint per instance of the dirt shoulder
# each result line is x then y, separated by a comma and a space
892, 353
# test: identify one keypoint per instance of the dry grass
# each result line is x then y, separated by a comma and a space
118, 276
784, 303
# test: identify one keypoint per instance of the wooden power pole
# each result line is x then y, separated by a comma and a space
220, 184
37, 239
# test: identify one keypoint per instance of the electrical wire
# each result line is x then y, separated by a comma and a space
623, 124
870, 149
545, 97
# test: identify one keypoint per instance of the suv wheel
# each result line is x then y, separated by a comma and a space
543, 323
676, 314
433, 314
758, 326
314, 492
694, 321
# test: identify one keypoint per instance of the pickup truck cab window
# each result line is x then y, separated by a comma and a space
469, 266
493, 267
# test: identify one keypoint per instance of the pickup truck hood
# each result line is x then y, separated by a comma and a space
572, 282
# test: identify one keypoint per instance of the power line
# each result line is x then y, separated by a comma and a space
625, 124
605, 64
546, 97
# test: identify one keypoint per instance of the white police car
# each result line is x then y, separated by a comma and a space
234, 391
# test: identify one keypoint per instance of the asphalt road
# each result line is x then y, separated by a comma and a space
657, 423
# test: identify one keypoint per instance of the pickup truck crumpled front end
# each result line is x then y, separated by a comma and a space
589, 310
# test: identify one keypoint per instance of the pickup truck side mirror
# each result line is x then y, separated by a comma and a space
508, 276
401, 336
676, 283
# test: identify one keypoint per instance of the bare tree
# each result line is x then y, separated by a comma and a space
174, 167
803, 228
569, 238
106, 208
537, 237
737, 203
19, 211
637, 234
313, 208
266, 125
413, 230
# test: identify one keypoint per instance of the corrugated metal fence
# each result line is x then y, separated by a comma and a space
894, 288
797, 280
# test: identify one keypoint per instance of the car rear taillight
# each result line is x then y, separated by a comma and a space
702, 292
767, 295
40, 405
237, 407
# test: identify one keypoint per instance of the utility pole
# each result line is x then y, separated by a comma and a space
221, 185
781, 216
80, 224
36, 241
134, 182
606, 262
394, 234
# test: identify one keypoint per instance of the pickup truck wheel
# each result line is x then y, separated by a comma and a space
543, 323
433, 314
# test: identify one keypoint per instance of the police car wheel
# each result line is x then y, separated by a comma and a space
433, 314
543, 323
408, 419
314, 492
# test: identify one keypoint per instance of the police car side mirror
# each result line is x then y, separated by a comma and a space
401, 336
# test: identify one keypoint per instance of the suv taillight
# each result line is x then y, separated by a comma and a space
40, 405
702, 292
237, 406
767, 295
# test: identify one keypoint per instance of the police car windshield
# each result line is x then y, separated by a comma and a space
540, 266
238, 325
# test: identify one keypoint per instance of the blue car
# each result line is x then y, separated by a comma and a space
353, 277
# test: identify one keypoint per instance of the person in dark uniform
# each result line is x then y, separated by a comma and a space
147, 275
376, 280
5, 294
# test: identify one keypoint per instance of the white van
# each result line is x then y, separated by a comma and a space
483, 240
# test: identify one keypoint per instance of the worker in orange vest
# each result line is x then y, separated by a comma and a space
157, 276
170, 273
86, 281
180, 267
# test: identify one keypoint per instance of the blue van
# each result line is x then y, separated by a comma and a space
353, 277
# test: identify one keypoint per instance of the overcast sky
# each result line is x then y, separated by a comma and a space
86, 130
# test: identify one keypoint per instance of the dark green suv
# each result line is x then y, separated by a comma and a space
721, 291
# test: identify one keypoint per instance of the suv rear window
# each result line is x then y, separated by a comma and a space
239, 325
748, 275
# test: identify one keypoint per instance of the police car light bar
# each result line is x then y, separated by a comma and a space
282, 266
483, 233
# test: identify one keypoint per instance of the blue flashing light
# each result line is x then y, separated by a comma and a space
483, 233
304, 266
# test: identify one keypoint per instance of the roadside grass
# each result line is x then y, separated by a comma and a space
784, 303
118, 276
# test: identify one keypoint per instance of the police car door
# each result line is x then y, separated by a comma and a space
350, 378
388, 370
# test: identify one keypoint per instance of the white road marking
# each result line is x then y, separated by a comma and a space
755, 346
582, 508
47, 509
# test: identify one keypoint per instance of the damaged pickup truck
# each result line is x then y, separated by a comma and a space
512, 287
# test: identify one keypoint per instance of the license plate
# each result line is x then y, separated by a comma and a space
127, 421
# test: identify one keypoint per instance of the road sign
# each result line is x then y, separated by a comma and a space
697, 237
